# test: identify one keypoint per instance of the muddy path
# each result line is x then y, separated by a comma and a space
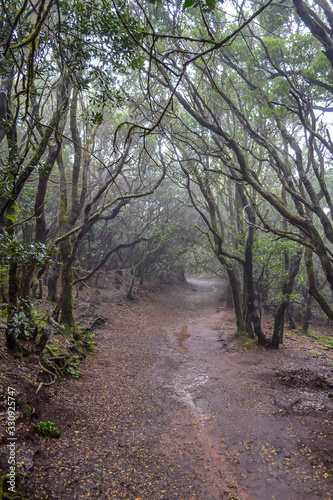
264, 438
172, 406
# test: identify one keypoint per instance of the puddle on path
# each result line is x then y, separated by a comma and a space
191, 376
182, 335
186, 384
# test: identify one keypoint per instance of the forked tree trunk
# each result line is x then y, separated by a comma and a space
288, 286
236, 296
253, 321
279, 319
252, 318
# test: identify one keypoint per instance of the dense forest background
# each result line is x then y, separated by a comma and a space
143, 140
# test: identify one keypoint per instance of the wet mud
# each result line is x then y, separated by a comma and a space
249, 427
173, 406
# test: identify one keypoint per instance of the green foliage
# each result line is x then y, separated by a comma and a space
72, 368
269, 267
48, 429
23, 320
88, 340
13, 250
315, 353
13, 215
101, 37
42, 320
208, 5
275, 18
19, 324
322, 340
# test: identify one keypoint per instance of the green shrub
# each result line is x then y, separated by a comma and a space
48, 429
72, 368
88, 340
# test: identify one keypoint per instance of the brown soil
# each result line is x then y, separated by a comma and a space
172, 406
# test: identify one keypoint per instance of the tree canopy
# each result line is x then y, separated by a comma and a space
151, 138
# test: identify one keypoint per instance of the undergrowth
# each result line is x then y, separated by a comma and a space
48, 429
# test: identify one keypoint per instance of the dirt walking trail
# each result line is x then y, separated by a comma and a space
171, 406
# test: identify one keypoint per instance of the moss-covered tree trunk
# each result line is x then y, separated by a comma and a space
65, 301
53, 280
288, 286
13, 287
68, 215
235, 293
253, 321
307, 313
12, 341
252, 318
67, 314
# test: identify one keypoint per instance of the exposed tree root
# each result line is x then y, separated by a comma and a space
54, 378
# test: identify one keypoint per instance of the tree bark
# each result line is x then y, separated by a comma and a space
288, 286
235, 292
252, 318
318, 29
307, 313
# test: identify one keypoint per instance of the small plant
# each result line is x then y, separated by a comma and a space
72, 368
48, 429
25, 321
19, 323
88, 340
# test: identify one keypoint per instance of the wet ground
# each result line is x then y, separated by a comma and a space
173, 406
270, 441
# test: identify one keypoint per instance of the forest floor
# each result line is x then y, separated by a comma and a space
173, 406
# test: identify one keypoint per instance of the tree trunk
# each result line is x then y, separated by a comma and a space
142, 274
67, 219
288, 286
53, 151
307, 313
52, 282
66, 297
277, 338
130, 294
26, 280
39, 348
291, 319
252, 318
118, 278
253, 321
236, 296
12, 342
67, 315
